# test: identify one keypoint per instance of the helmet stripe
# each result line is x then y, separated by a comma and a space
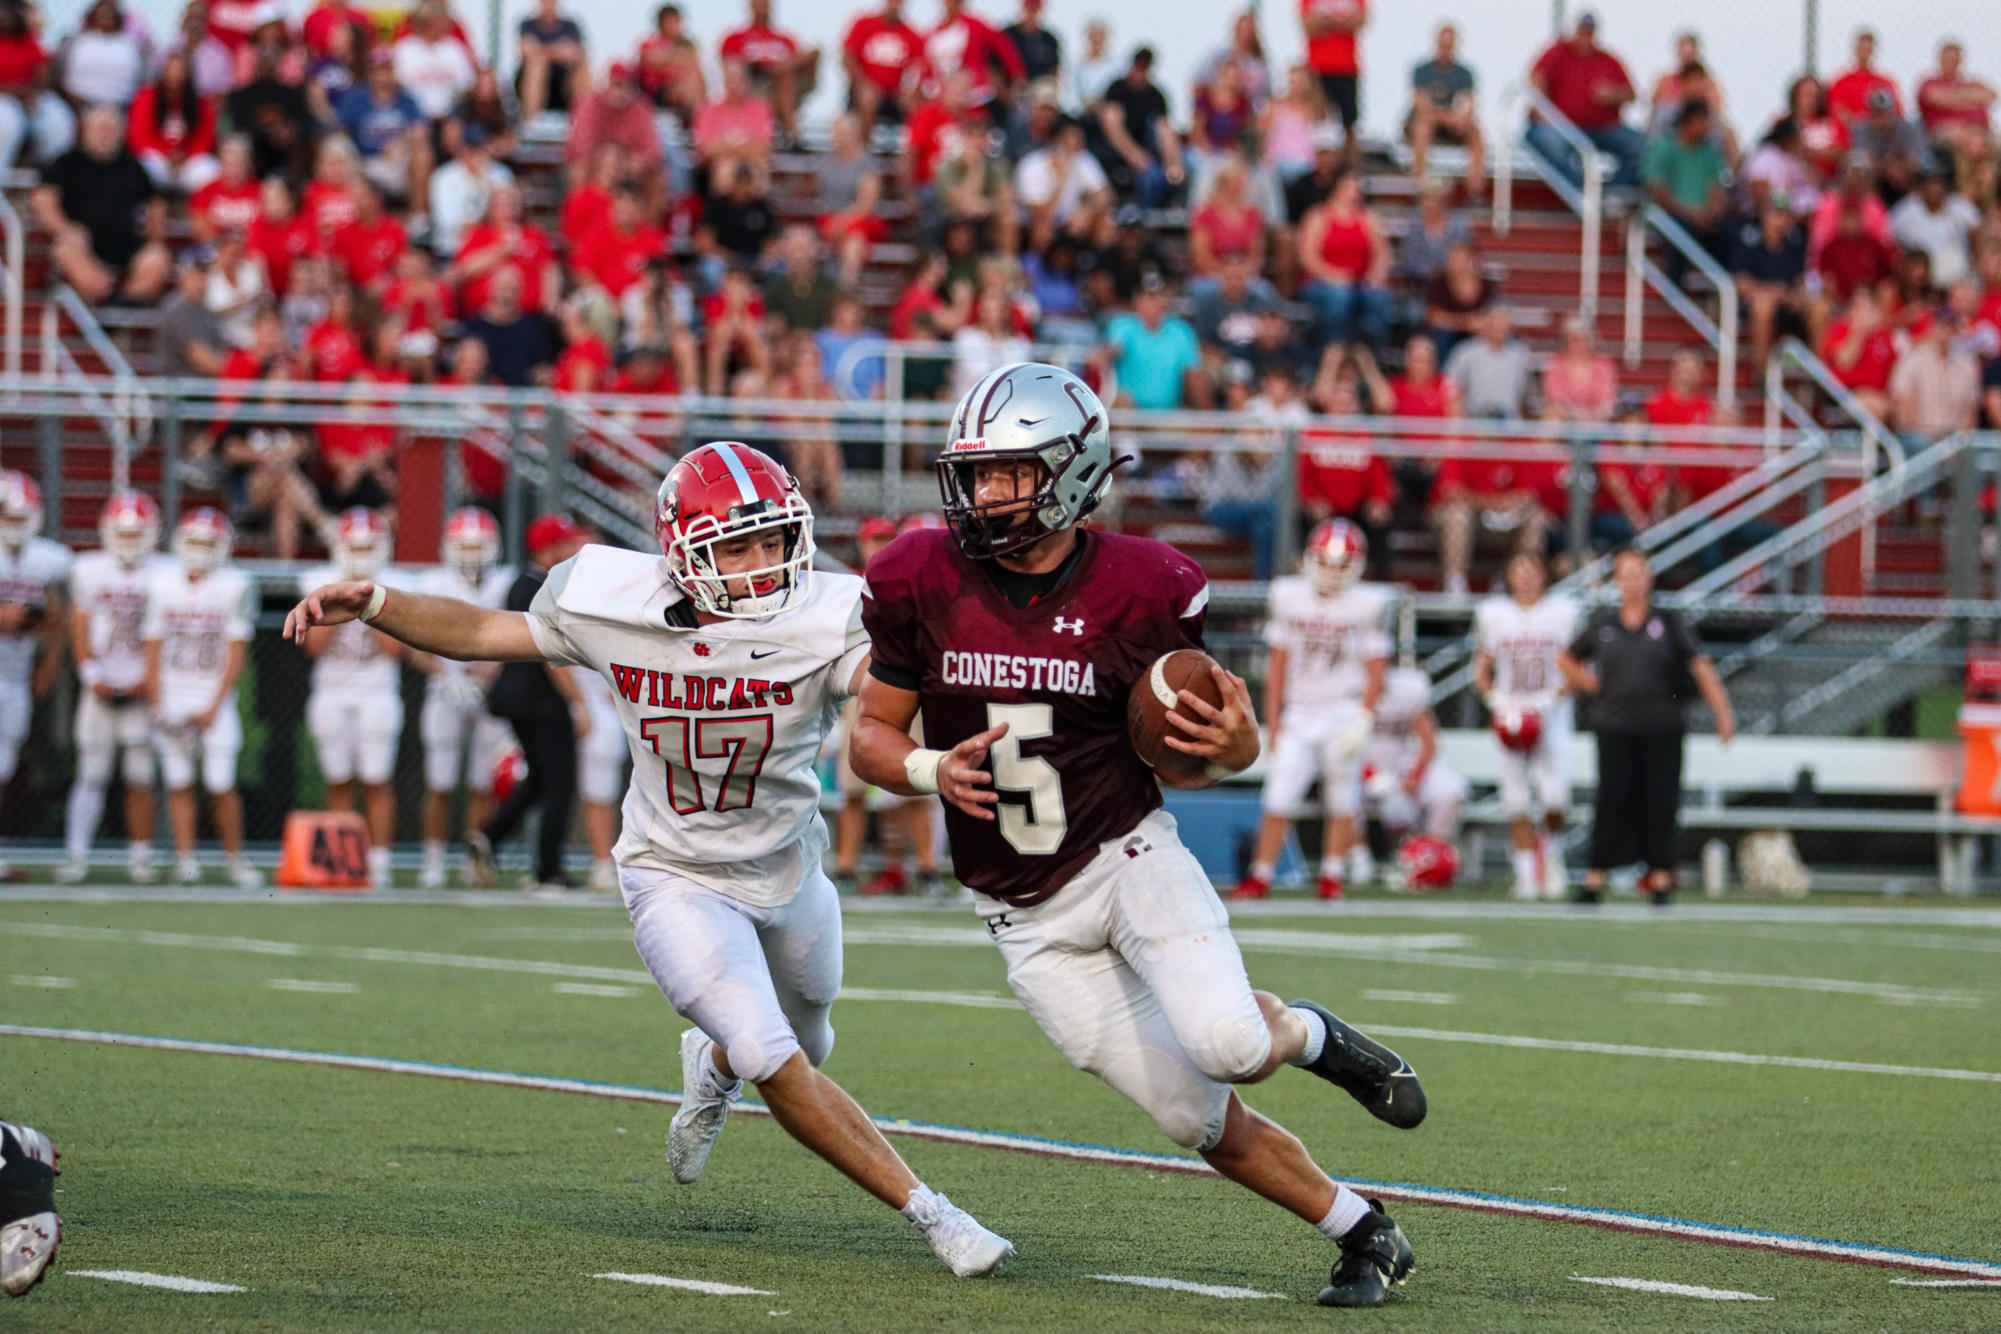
738, 473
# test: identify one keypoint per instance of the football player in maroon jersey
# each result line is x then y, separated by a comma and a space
1018, 634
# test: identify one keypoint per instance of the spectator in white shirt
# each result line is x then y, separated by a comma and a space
1064, 189
1939, 223
431, 63
104, 61
461, 188
235, 289
1777, 169
987, 344
1095, 72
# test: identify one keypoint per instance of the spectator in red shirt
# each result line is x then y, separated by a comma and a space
1853, 258
924, 295
934, 129
733, 320
333, 350
368, 247
1854, 192
617, 114
416, 298
1340, 476
1861, 350
1633, 494
670, 68
1421, 391
617, 253
1681, 402
735, 130
172, 129
27, 104
1590, 86
1824, 139
587, 204
964, 41
1501, 496
646, 371
779, 67
327, 16
264, 465
1227, 223
1346, 263
585, 364
502, 240
1848, 95
1333, 28
1954, 107
281, 235
883, 57
230, 200
328, 201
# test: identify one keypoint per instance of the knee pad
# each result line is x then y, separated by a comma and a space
1234, 1048
757, 1058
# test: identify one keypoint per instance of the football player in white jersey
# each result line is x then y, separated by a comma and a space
108, 593
197, 631
459, 734
1405, 784
1516, 642
1329, 653
730, 660
601, 759
33, 571
355, 710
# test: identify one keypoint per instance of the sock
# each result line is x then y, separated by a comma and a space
378, 864
183, 861
1525, 865
1349, 1209
1316, 1036
714, 1075
1548, 849
139, 851
434, 855
924, 1207
86, 810
1263, 871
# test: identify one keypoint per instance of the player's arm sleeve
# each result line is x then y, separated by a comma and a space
854, 648
1278, 630
889, 621
549, 625
242, 625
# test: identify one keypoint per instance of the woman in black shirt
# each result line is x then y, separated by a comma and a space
1644, 664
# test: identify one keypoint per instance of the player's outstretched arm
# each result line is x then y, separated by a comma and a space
883, 755
444, 626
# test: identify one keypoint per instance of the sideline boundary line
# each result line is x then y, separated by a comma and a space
1718, 1234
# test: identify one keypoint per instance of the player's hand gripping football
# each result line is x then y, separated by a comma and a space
963, 779
329, 604
1226, 737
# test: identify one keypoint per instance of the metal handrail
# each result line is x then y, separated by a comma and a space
1790, 351
14, 236
1587, 203
131, 416
1641, 272
1831, 522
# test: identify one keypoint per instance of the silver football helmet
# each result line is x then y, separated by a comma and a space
1027, 411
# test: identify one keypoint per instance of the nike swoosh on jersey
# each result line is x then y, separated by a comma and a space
767, 653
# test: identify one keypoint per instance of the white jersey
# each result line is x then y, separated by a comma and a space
112, 596
443, 581
1394, 747
724, 721
1524, 642
28, 577
1329, 641
355, 663
195, 620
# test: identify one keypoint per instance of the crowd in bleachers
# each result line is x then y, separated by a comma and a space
354, 215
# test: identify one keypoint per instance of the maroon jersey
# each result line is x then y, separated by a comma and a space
1056, 671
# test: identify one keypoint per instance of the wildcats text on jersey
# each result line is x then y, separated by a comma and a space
1014, 671
696, 694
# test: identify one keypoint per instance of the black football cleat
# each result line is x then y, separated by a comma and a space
1375, 1257
1369, 1072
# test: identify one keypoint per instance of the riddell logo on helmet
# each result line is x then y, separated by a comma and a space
968, 446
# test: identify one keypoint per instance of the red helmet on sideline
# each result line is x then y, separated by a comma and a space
1427, 862
1518, 729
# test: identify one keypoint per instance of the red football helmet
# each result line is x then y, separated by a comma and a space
129, 528
508, 771
1518, 729
1427, 862
1336, 552
360, 543
728, 490
471, 544
202, 540
20, 509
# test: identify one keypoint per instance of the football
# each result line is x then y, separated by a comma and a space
1157, 694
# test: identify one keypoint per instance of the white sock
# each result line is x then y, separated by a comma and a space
1316, 1036
1524, 860
378, 864
139, 852
1349, 1209
924, 1207
1263, 870
434, 855
86, 811
184, 860
714, 1075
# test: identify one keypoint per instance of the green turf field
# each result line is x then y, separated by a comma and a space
347, 1199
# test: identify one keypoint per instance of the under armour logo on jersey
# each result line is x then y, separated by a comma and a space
1074, 627
994, 924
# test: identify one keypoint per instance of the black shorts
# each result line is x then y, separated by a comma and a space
368, 493
1343, 93
888, 111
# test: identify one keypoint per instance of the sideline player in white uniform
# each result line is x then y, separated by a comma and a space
458, 731
108, 593
601, 757
197, 631
1329, 652
730, 660
32, 622
355, 710
1407, 786
1516, 642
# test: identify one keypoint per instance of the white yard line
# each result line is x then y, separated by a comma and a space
1671, 998
972, 1000
306, 984
1413, 997
1990, 1284
597, 989
1673, 1289
689, 1285
1199, 1289
47, 983
141, 1279
1822, 1248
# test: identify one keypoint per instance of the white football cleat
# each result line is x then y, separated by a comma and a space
72, 872
140, 869
705, 1105
1524, 891
245, 876
432, 876
604, 878
956, 1237
29, 1228
1555, 878
188, 873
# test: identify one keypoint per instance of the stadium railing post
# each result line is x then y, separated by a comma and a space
556, 458
1962, 529
1578, 522
892, 432
52, 465
1287, 546
170, 455
513, 503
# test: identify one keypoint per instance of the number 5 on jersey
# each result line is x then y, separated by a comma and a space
1034, 828
743, 741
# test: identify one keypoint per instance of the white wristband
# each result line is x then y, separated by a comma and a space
920, 766
376, 600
